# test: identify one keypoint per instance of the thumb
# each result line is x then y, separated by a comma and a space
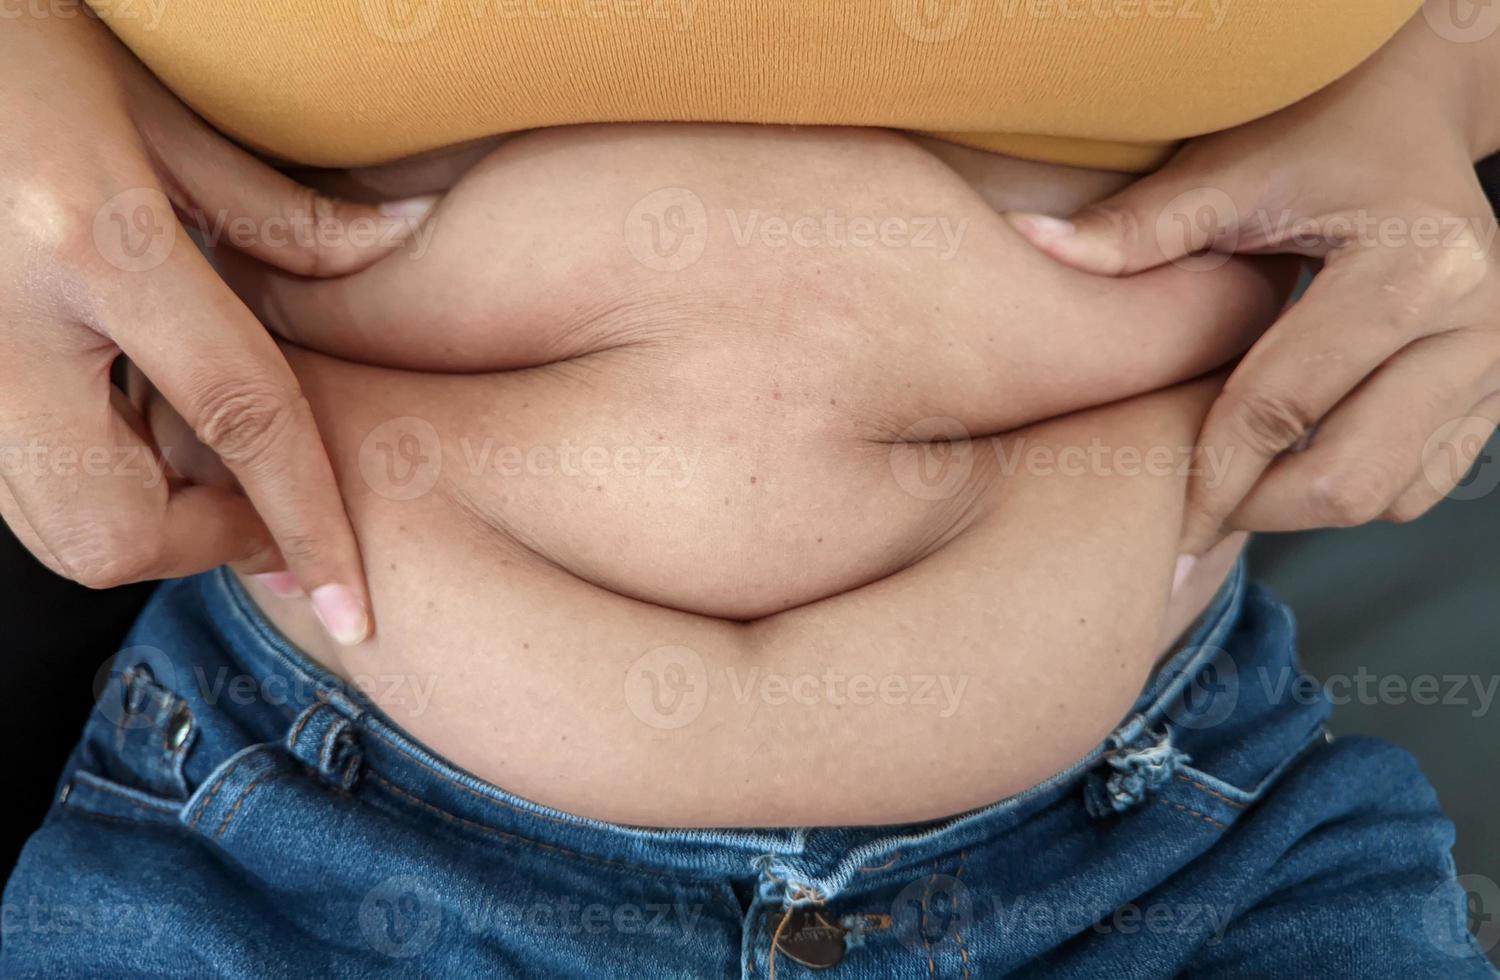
1166, 217
233, 198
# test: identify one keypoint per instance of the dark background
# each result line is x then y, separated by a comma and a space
1394, 600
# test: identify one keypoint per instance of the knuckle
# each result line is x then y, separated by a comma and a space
1126, 225
243, 421
312, 213
1349, 494
55, 226
103, 556
1431, 280
297, 548
1408, 509
1269, 423
1202, 524
1123, 227
1460, 266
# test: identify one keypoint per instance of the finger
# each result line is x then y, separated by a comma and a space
234, 199
1370, 448
185, 456
223, 373
189, 460
1161, 218
353, 317
1168, 325
1456, 459
1315, 355
1135, 335
367, 317
10, 512
95, 500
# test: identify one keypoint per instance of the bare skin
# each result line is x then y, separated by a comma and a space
867, 625
1375, 395
98, 161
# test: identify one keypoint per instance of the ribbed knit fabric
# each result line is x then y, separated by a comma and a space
1106, 83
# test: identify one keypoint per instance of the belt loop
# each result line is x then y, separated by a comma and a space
152, 732
324, 740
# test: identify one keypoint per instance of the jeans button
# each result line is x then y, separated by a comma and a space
810, 935
180, 728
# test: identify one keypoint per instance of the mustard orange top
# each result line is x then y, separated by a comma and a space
1105, 83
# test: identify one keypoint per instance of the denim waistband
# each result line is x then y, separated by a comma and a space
386, 760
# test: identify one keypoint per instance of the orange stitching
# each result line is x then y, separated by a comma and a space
473, 792
1220, 796
96, 782
84, 813
775, 938
212, 792
325, 754
1204, 817
881, 867
515, 839
922, 928
963, 947
307, 714
243, 797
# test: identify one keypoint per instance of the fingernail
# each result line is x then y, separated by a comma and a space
282, 584
412, 208
1185, 565
1041, 227
341, 614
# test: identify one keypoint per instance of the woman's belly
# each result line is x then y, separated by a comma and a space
782, 484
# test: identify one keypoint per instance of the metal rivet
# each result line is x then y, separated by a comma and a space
182, 726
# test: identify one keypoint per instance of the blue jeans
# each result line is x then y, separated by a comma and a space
235, 810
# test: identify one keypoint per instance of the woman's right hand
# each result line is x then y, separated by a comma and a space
98, 162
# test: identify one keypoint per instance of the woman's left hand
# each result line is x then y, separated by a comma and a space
1373, 395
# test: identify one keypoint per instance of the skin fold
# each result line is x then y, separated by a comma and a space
901, 530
